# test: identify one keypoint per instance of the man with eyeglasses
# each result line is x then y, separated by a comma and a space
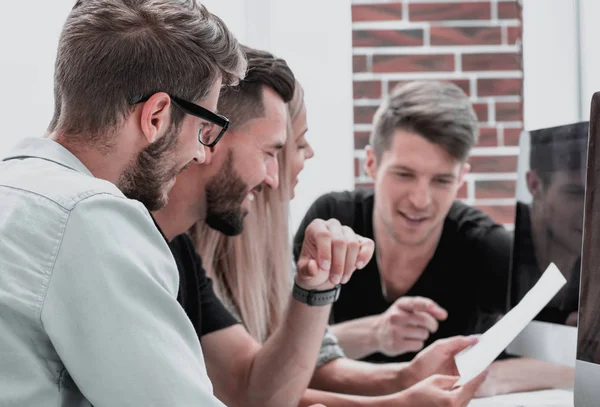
88, 286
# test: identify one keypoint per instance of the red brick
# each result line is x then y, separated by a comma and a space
413, 63
356, 167
387, 38
511, 137
514, 34
466, 35
461, 83
463, 191
499, 87
495, 189
449, 11
509, 112
376, 12
493, 164
491, 62
364, 114
359, 63
509, 10
481, 110
361, 139
503, 214
367, 89
488, 137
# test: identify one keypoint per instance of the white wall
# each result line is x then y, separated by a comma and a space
550, 63
561, 60
314, 36
590, 52
29, 32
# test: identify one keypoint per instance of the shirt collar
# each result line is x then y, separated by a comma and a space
46, 149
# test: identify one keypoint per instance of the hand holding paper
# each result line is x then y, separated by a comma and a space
474, 360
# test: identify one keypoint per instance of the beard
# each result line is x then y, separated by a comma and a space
146, 177
225, 193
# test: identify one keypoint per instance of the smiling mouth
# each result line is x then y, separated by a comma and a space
414, 218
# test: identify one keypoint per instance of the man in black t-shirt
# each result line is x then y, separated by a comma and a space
440, 267
465, 276
220, 192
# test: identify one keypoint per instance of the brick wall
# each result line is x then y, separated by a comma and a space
475, 44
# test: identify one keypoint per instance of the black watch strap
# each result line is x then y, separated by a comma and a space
316, 298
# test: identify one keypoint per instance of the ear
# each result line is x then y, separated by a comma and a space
221, 145
463, 172
155, 117
370, 163
534, 183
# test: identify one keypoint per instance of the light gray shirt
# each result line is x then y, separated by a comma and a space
88, 288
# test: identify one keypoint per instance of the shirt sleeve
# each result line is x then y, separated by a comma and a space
330, 348
111, 313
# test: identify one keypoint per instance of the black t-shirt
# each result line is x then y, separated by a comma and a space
196, 294
467, 276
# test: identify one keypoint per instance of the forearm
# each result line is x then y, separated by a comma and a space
282, 369
349, 376
328, 399
524, 374
356, 337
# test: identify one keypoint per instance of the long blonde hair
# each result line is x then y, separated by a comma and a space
252, 272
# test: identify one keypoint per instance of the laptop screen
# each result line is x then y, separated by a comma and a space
549, 215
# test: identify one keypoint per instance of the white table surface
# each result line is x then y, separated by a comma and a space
546, 398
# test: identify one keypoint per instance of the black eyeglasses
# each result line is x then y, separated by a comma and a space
207, 135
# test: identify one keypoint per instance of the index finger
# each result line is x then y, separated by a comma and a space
338, 250
319, 232
422, 304
457, 343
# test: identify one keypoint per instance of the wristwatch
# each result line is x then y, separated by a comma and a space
316, 298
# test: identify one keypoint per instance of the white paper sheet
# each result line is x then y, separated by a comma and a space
474, 360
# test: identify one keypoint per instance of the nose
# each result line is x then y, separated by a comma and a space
420, 196
272, 178
309, 153
200, 155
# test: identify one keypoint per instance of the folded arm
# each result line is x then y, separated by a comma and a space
278, 372
525, 374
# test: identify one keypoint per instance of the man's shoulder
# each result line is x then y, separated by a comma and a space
53, 183
344, 202
469, 222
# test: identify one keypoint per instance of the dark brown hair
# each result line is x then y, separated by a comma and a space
561, 148
244, 102
438, 111
112, 51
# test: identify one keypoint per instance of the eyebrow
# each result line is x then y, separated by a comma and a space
408, 169
277, 146
302, 133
